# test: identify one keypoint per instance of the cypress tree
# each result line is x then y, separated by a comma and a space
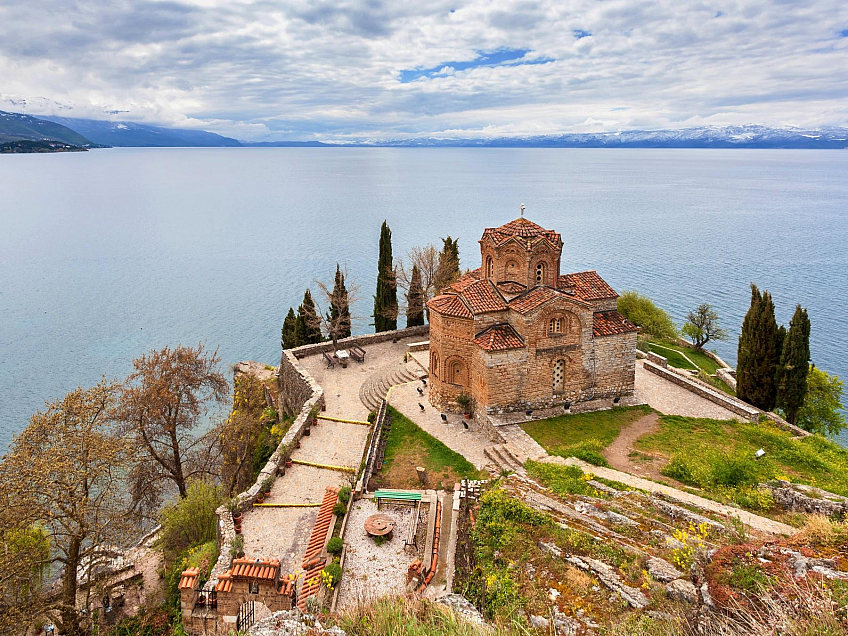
415, 300
447, 271
794, 365
289, 333
339, 307
385, 300
758, 356
308, 322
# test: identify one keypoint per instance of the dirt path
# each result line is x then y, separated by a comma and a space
618, 453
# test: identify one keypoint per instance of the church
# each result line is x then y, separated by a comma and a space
517, 335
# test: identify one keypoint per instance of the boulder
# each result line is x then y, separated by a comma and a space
682, 590
663, 571
463, 607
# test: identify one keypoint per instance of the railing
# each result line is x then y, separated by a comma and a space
245, 617
207, 598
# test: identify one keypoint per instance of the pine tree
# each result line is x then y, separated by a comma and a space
758, 355
447, 272
794, 365
339, 308
385, 300
415, 300
308, 322
289, 333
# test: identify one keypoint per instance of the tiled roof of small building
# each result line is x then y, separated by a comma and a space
255, 569
450, 305
532, 299
521, 228
611, 323
482, 297
586, 286
225, 582
188, 579
499, 338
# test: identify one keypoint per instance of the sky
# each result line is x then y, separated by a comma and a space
352, 70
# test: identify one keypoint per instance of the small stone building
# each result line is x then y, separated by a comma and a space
516, 334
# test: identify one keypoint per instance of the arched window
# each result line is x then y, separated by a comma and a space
559, 376
434, 364
457, 373
490, 267
555, 325
540, 273
511, 272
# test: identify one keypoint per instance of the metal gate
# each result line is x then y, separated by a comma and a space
245, 617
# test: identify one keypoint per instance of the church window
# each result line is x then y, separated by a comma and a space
559, 376
490, 267
434, 364
456, 373
555, 325
540, 273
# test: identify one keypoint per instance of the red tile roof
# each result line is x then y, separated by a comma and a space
245, 568
532, 299
610, 323
499, 338
481, 296
521, 228
464, 281
449, 305
312, 562
188, 579
586, 285
225, 582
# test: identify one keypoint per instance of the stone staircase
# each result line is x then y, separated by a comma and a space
374, 389
503, 458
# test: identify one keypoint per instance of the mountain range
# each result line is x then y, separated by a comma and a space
92, 133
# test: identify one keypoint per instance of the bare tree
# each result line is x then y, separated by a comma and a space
337, 321
66, 472
160, 406
426, 259
702, 326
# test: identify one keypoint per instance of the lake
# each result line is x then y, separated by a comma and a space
107, 254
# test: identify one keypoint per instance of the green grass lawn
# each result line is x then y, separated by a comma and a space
718, 456
583, 435
672, 353
408, 446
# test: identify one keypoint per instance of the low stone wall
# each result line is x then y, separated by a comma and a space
788, 497
727, 377
713, 395
300, 393
713, 356
360, 341
657, 359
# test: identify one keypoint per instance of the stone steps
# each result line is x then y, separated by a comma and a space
373, 391
503, 458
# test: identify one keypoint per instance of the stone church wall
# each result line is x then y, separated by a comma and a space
615, 365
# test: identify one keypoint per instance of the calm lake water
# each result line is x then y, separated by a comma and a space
107, 254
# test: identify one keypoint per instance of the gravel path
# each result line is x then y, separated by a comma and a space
373, 571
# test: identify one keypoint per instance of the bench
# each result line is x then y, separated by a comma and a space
357, 353
396, 496
329, 360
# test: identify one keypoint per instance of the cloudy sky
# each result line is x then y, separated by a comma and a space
323, 69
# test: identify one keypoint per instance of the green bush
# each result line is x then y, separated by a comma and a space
191, 521
641, 311
334, 571
335, 545
752, 498
734, 470
339, 509
237, 546
344, 494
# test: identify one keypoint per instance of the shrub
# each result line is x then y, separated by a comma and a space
753, 498
335, 545
641, 311
344, 494
331, 574
339, 509
191, 521
237, 546
734, 470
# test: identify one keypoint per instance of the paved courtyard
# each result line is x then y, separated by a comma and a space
671, 399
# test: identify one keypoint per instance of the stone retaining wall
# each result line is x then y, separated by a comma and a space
360, 341
713, 395
789, 498
300, 393
727, 377
713, 356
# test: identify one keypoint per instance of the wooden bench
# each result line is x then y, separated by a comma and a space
357, 353
329, 360
396, 496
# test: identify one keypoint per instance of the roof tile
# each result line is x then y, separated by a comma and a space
532, 299
522, 228
586, 285
449, 305
481, 297
499, 338
611, 323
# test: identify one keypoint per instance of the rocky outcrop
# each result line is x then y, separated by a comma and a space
462, 607
792, 497
292, 623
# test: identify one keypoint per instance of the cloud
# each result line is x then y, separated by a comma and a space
341, 69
